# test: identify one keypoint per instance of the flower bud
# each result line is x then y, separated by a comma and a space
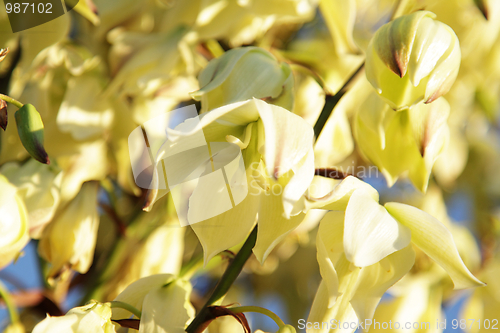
39, 187
13, 222
69, 240
241, 74
93, 317
30, 129
413, 58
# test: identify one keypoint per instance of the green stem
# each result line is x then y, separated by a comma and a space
225, 282
196, 263
306, 70
11, 307
258, 309
126, 306
331, 101
11, 100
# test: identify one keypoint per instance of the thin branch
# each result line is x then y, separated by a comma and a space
258, 309
225, 282
331, 101
11, 100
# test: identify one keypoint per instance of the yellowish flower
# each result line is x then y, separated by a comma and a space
94, 317
13, 222
84, 113
413, 58
69, 240
163, 300
145, 63
415, 299
239, 22
244, 73
66, 141
309, 97
39, 187
399, 142
366, 250
484, 304
278, 158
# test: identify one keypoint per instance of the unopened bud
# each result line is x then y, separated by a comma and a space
244, 73
30, 130
413, 58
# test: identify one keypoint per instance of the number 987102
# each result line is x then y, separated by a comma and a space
26, 7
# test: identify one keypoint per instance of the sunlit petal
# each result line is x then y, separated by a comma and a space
436, 241
370, 232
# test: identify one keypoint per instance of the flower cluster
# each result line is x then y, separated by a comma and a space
149, 148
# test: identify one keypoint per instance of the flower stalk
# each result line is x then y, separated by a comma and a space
258, 309
331, 101
125, 306
11, 100
9, 303
226, 281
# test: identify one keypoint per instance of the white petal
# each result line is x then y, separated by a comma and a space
230, 119
134, 294
273, 227
84, 113
288, 138
228, 229
298, 184
430, 43
166, 309
38, 185
339, 196
342, 310
373, 281
79, 168
329, 244
370, 232
340, 17
436, 241
13, 222
57, 324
